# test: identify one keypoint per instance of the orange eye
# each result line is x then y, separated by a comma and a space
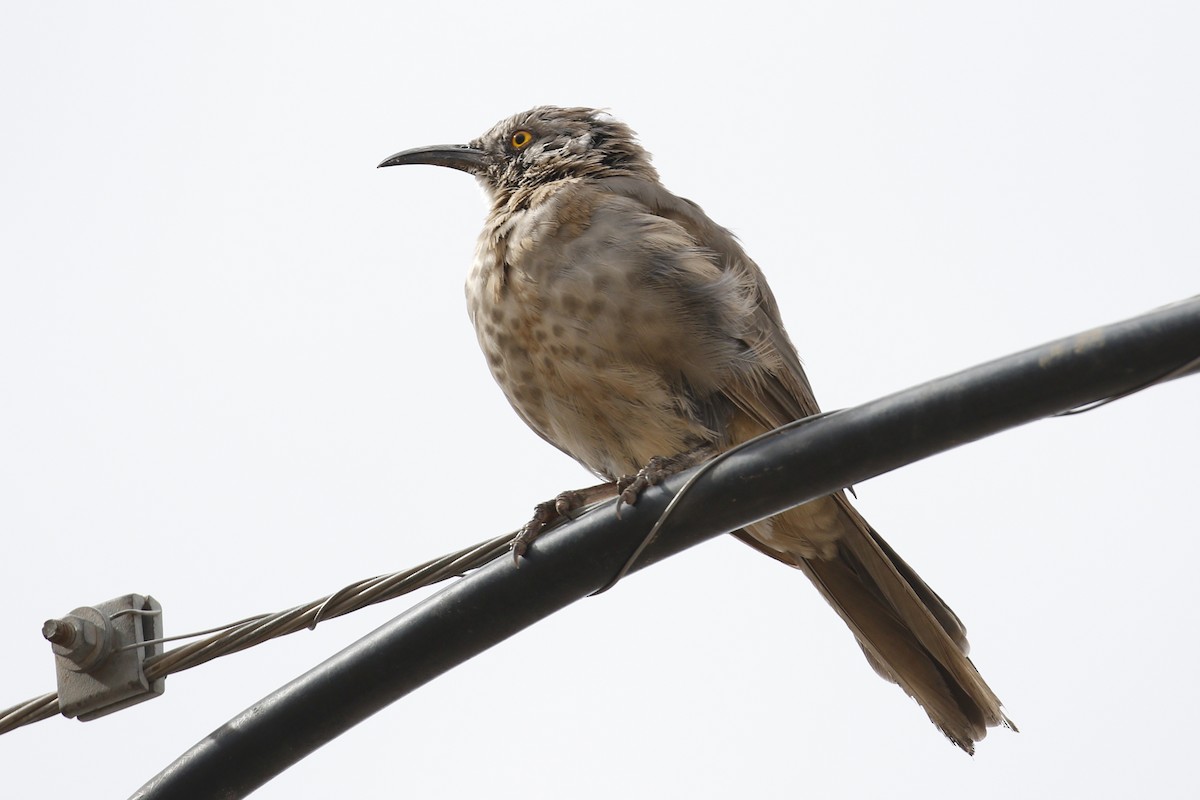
521, 138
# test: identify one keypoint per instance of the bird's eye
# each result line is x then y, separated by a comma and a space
521, 138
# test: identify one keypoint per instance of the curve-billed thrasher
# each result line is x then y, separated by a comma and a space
627, 328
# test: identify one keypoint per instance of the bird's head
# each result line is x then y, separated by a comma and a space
540, 146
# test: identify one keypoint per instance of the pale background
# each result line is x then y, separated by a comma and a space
236, 373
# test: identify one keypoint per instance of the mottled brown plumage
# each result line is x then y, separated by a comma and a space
623, 324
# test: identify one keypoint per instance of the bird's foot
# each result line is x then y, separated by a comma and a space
630, 487
546, 514
657, 469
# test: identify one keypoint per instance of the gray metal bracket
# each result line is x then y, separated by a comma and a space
100, 652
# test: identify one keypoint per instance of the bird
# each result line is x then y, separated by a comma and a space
632, 332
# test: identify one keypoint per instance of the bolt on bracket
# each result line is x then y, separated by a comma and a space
99, 655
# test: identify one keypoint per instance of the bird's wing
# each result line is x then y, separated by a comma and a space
775, 390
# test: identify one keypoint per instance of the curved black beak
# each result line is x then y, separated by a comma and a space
456, 156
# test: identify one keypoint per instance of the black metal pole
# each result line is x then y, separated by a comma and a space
568, 563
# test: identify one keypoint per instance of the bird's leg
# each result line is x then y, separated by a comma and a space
626, 489
658, 469
547, 513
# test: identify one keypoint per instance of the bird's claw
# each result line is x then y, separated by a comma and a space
630, 487
569, 501
543, 515
552, 511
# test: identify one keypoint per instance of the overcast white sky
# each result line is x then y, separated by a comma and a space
236, 374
